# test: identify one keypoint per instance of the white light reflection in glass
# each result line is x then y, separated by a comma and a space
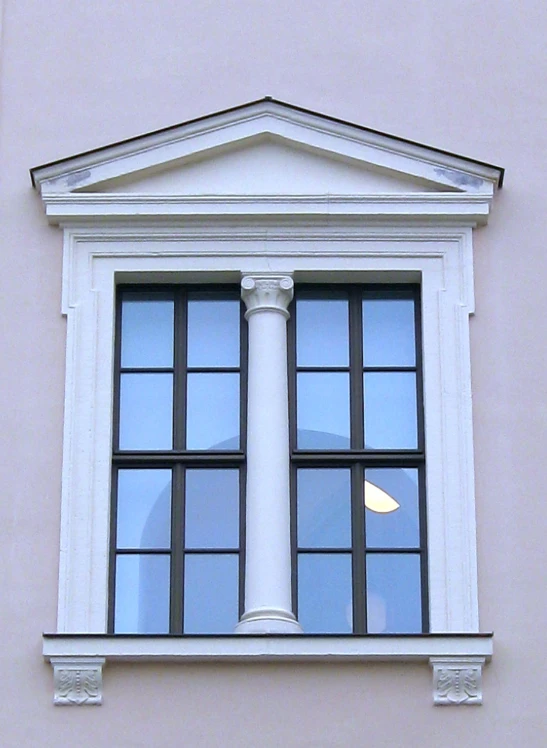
378, 500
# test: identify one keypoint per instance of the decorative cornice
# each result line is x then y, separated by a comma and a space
78, 680
473, 208
267, 293
457, 681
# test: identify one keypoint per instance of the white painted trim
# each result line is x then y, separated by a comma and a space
472, 208
274, 120
93, 264
268, 648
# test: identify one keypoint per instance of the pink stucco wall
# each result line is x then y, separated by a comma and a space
462, 75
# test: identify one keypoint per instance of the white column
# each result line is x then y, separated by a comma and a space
268, 607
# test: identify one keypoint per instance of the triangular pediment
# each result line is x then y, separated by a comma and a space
265, 166
266, 148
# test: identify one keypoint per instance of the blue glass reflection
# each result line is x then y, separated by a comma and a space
324, 513
322, 333
394, 598
390, 410
213, 333
144, 509
324, 593
212, 411
147, 330
388, 332
212, 509
323, 410
142, 594
146, 411
211, 593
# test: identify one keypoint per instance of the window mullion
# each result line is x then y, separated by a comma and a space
177, 549
178, 476
356, 369
180, 371
358, 556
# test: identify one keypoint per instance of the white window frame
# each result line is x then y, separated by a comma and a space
113, 238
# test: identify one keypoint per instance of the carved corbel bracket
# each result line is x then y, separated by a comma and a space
78, 680
457, 681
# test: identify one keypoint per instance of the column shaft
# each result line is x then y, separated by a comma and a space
268, 607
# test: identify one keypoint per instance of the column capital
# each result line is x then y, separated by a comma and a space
267, 293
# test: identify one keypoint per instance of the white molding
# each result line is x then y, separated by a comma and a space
274, 120
447, 648
94, 262
472, 209
457, 680
78, 680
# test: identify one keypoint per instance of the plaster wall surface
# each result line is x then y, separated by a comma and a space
462, 75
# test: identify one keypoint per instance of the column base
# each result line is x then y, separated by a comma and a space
268, 621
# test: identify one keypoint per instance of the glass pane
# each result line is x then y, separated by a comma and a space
388, 332
324, 593
390, 410
212, 509
394, 598
142, 594
147, 330
324, 508
391, 499
213, 333
323, 410
213, 411
322, 332
146, 411
211, 593
144, 509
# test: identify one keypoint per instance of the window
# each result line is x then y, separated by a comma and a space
178, 509
325, 202
357, 447
177, 560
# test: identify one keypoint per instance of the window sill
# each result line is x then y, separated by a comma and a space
456, 659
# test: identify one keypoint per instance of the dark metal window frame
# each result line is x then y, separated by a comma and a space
178, 459
358, 458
